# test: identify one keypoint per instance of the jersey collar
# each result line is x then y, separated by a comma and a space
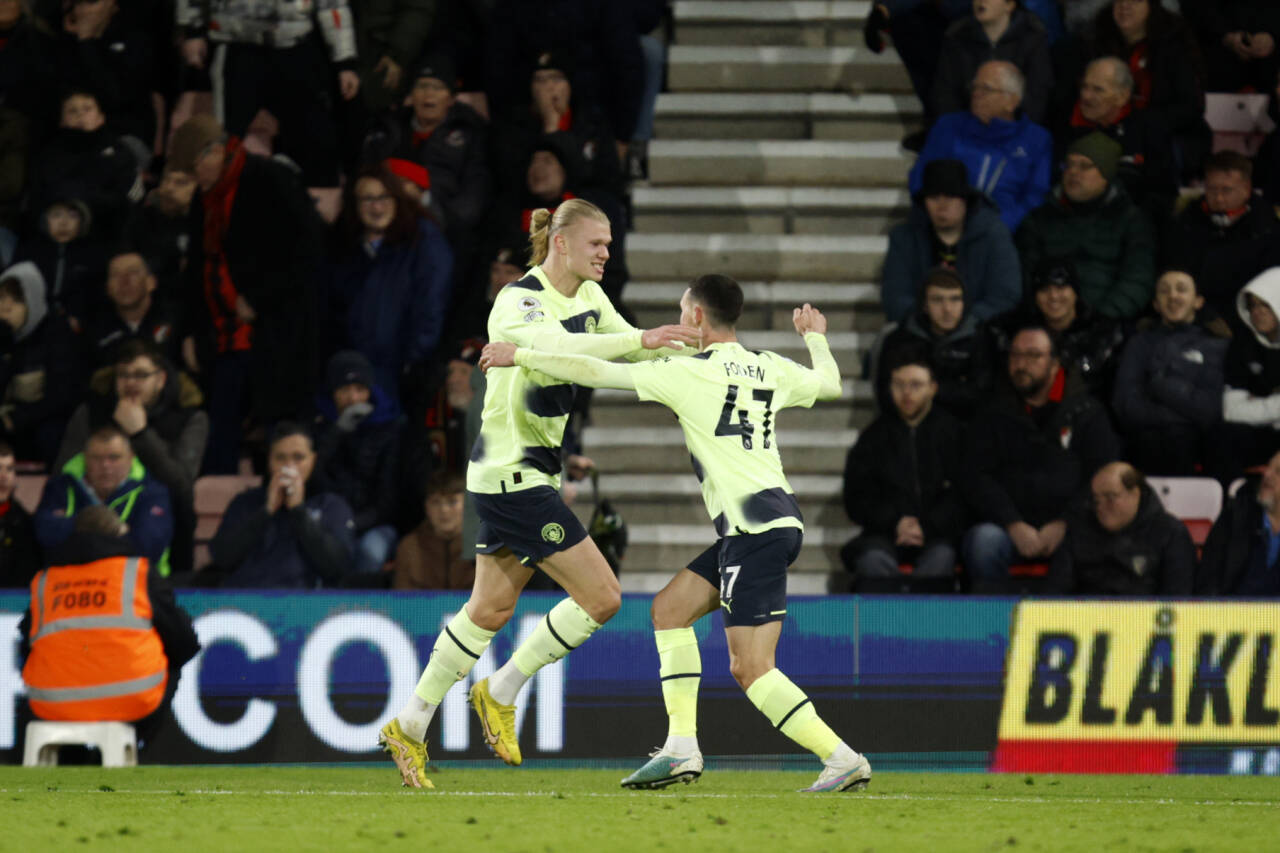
550, 289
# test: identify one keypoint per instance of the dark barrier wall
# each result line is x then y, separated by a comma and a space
919, 683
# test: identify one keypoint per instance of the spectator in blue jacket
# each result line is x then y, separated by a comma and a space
390, 286
953, 226
1168, 390
108, 474
1009, 157
284, 534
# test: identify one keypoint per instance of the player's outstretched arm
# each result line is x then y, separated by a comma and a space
636, 344
812, 326
580, 369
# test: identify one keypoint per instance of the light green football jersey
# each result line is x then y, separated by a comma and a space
525, 412
727, 398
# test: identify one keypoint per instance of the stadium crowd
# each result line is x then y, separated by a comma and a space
238, 232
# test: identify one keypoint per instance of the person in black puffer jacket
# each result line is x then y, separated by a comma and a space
1123, 542
1168, 388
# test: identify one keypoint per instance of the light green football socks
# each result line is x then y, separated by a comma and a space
680, 670
457, 649
561, 631
791, 713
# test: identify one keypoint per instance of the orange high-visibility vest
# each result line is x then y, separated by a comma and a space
94, 654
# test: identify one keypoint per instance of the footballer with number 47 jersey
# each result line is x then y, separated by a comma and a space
727, 398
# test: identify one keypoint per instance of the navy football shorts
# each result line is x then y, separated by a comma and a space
533, 523
750, 570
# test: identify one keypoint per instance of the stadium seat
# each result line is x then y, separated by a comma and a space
1196, 501
212, 494
1029, 570
28, 489
117, 742
1239, 121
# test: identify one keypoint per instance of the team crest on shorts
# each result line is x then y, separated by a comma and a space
553, 533
590, 325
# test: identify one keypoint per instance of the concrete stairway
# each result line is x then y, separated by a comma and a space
777, 162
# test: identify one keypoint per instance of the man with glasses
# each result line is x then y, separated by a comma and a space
1123, 542
1025, 458
1008, 156
159, 415
1091, 219
900, 485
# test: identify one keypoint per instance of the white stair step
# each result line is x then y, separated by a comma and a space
786, 293
693, 68
769, 198
816, 104
779, 256
772, 11
768, 210
811, 162
795, 22
780, 116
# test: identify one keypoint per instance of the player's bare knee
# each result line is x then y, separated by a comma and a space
665, 613
490, 616
605, 604
745, 669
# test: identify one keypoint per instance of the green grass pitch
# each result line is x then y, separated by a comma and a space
330, 808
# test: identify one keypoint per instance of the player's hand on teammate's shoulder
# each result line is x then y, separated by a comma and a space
809, 319
674, 336
497, 354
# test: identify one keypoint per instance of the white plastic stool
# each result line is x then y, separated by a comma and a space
117, 741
